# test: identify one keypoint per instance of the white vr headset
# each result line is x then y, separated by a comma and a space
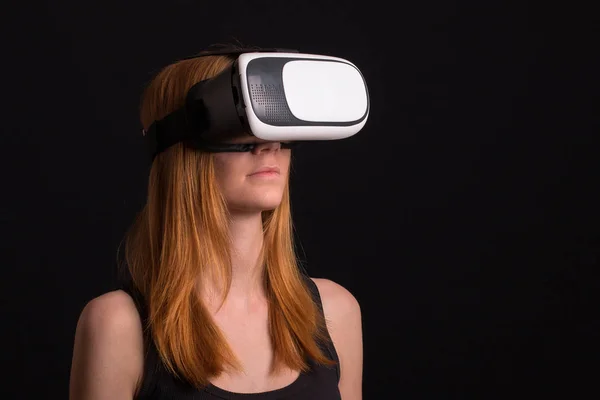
273, 94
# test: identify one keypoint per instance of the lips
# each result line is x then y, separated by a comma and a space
266, 170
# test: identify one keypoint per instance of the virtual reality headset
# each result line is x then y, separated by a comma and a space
276, 95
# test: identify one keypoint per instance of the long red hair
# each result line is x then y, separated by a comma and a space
181, 232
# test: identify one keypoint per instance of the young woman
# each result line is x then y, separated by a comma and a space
216, 306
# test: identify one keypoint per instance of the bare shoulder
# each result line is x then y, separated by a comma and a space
110, 319
344, 323
108, 348
111, 311
338, 302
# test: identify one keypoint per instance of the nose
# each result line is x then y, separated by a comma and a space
267, 146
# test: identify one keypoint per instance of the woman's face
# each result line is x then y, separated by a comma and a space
253, 181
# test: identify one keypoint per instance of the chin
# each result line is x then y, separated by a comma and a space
257, 204
264, 206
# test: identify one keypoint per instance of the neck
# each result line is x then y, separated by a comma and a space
246, 233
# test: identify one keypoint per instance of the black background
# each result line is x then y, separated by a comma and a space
464, 217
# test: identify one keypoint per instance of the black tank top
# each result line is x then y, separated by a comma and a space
319, 383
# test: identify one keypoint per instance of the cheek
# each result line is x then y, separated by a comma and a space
227, 171
285, 158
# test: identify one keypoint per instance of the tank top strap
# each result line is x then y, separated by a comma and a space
152, 363
328, 347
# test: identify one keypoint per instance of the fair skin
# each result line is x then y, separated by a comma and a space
108, 349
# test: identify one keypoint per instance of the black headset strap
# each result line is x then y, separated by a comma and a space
172, 121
